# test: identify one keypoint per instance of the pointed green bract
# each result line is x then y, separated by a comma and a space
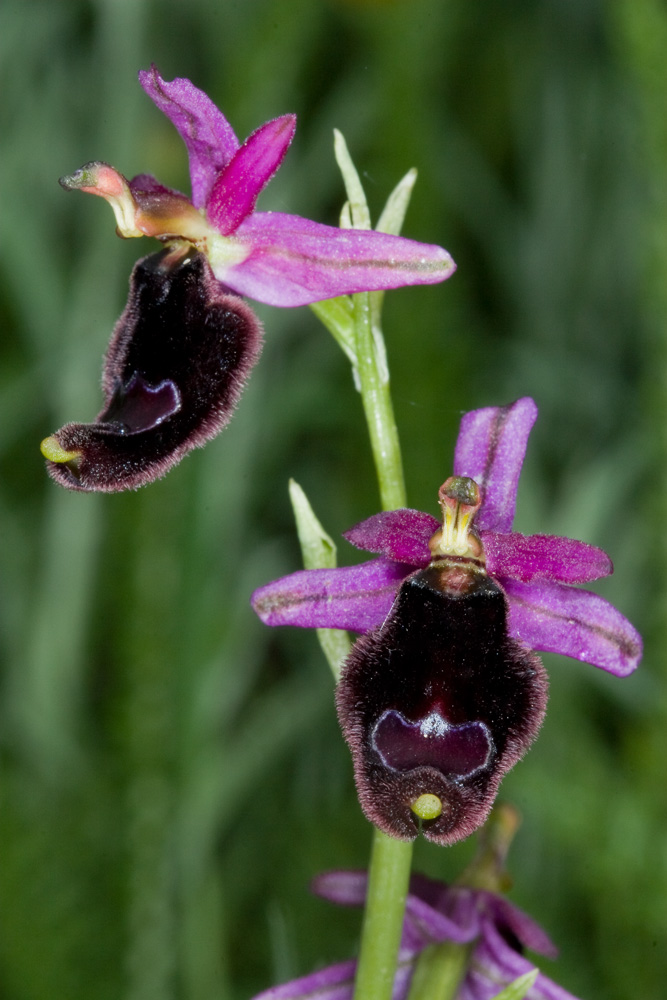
361, 217
336, 315
319, 552
393, 214
518, 989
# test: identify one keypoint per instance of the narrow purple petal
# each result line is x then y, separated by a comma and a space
355, 597
344, 886
147, 184
490, 449
402, 535
293, 261
457, 902
207, 134
505, 915
237, 187
337, 983
334, 983
436, 927
424, 923
543, 557
576, 623
495, 963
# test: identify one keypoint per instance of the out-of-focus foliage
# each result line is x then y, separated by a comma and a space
171, 772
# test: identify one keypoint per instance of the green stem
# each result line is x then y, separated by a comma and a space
390, 862
388, 878
439, 972
374, 385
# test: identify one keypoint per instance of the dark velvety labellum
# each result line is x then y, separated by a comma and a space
439, 700
176, 365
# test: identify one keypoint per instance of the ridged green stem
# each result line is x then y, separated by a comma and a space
390, 862
439, 972
376, 398
388, 879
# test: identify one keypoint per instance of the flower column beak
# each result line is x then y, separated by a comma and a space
142, 207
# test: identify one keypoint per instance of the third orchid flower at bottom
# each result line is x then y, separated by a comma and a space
463, 941
496, 932
444, 693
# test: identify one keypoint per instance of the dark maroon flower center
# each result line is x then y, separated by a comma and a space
432, 742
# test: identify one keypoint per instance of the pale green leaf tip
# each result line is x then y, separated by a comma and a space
317, 547
393, 214
345, 216
319, 552
361, 218
518, 989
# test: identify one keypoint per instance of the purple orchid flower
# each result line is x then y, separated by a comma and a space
435, 913
443, 694
279, 259
167, 392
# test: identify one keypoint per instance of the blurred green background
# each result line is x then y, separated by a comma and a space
172, 773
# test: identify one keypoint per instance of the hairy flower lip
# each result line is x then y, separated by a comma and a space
173, 373
443, 654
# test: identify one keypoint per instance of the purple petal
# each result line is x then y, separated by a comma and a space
207, 134
505, 915
334, 983
490, 449
147, 184
342, 886
436, 927
576, 623
293, 261
237, 187
543, 557
402, 535
337, 983
355, 597
495, 964
459, 915
424, 924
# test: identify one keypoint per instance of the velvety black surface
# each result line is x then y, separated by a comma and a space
439, 700
174, 371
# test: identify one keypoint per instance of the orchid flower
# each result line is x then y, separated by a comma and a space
184, 346
496, 930
279, 259
443, 693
